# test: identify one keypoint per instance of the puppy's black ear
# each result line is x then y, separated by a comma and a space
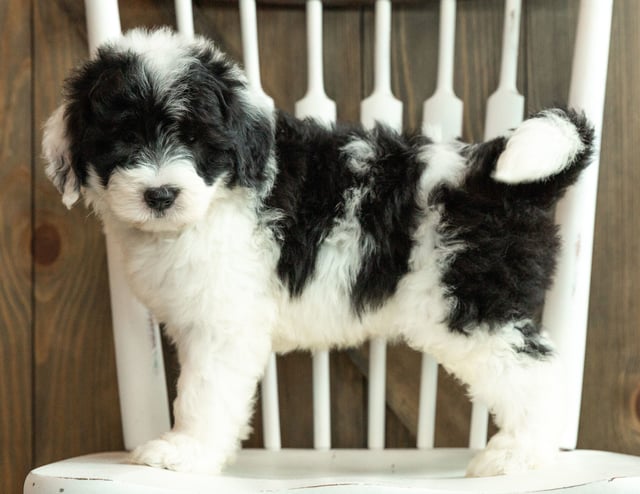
253, 138
220, 94
56, 151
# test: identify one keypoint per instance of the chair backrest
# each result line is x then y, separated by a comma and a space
143, 397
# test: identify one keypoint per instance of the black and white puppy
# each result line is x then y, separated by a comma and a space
247, 231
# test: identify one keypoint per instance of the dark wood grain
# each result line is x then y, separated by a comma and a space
549, 30
76, 403
479, 41
348, 402
16, 314
147, 13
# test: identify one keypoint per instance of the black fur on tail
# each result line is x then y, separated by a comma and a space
499, 241
545, 192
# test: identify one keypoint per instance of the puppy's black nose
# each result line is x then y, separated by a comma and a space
160, 198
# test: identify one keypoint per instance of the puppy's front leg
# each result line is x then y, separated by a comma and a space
216, 386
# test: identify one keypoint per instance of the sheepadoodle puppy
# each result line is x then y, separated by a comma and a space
248, 231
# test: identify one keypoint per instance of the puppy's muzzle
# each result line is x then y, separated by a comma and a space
160, 198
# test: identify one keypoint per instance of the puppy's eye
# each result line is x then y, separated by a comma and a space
190, 138
130, 137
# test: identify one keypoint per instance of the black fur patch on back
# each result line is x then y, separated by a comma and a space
310, 190
308, 193
388, 216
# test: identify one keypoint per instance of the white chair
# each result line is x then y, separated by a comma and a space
143, 396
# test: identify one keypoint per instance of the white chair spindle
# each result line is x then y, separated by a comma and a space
249, 28
142, 388
316, 104
184, 17
505, 107
442, 112
479, 427
270, 406
442, 118
269, 385
566, 308
505, 110
103, 22
382, 107
144, 404
321, 401
377, 393
427, 406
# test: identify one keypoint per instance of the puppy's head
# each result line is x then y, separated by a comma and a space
154, 128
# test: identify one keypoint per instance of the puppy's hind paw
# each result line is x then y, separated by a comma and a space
179, 452
503, 457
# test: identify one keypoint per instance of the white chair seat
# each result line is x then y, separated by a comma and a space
385, 471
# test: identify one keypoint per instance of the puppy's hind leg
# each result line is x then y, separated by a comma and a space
523, 388
514, 372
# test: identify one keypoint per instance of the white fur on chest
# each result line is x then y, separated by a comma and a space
209, 274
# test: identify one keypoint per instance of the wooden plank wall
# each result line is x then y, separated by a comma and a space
16, 223
58, 392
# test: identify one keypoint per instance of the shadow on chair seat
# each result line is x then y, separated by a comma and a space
336, 471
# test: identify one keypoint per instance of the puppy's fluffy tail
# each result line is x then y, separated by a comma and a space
550, 149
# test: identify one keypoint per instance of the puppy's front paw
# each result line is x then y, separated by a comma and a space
179, 452
504, 456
